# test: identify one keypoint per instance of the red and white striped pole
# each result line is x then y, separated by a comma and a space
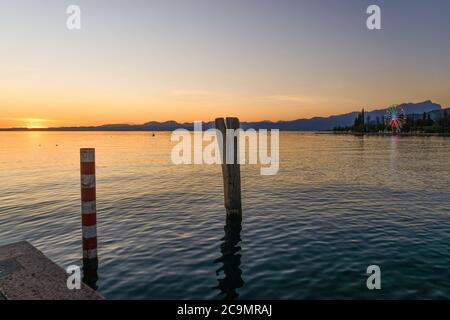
88, 204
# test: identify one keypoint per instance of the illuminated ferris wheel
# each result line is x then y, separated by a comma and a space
394, 118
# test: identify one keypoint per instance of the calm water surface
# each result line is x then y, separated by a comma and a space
338, 204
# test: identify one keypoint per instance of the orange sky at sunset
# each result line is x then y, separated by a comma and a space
36, 111
257, 60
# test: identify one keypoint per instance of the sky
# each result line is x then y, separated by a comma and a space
154, 60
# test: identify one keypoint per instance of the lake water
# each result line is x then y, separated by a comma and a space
338, 204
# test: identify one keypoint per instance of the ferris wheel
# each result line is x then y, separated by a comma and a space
394, 118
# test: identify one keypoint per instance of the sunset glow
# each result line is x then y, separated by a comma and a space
34, 123
224, 158
166, 61
30, 123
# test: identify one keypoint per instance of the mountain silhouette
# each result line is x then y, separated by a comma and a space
347, 119
313, 124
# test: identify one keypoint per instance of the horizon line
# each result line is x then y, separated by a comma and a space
75, 127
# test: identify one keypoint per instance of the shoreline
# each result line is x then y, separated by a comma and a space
390, 134
384, 134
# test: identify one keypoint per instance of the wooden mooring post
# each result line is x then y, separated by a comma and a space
231, 171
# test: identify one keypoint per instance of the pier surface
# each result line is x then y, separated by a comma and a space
27, 274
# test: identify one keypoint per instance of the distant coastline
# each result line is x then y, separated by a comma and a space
347, 120
331, 132
390, 134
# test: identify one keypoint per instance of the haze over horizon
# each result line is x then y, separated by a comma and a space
140, 61
409, 108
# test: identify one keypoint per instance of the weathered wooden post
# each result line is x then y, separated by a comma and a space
89, 216
231, 171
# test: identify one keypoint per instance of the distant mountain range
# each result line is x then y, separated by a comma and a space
313, 124
328, 123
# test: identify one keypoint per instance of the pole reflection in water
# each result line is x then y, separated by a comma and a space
231, 258
90, 275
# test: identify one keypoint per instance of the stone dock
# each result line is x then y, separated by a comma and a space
27, 274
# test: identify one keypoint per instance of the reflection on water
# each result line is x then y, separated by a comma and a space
338, 204
90, 275
393, 151
230, 259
